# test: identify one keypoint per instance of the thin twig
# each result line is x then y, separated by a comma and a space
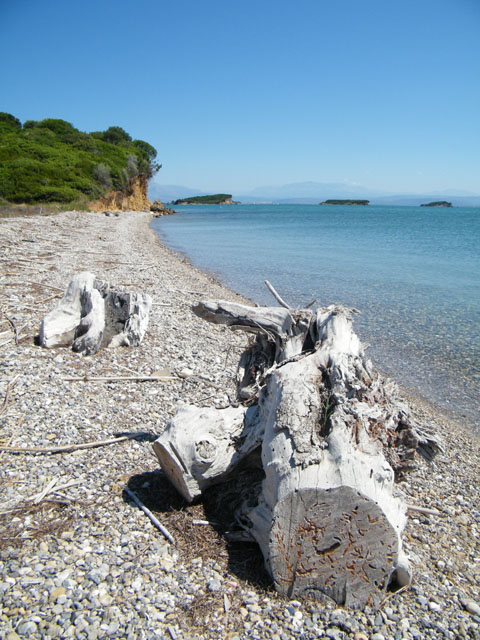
122, 366
186, 291
14, 328
53, 487
276, 295
10, 386
40, 284
55, 295
71, 447
133, 284
425, 510
150, 515
394, 593
115, 378
145, 548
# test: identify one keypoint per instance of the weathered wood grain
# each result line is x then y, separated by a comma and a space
332, 432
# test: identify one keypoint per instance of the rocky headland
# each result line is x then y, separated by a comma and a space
159, 209
133, 199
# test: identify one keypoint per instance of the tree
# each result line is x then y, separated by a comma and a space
8, 123
147, 153
116, 135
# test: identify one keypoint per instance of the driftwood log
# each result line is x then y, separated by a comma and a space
91, 315
332, 434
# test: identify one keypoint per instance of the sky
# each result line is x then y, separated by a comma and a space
236, 95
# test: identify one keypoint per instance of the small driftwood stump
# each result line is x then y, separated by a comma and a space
91, 315
331, 433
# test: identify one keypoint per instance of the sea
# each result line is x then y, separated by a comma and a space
412, 272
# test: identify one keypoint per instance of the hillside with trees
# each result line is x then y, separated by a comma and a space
52, 161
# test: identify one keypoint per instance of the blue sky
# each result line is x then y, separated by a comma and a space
235, 95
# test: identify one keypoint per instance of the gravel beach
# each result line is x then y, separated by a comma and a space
79, 559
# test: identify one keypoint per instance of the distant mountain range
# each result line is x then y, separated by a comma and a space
315, 192
170, 192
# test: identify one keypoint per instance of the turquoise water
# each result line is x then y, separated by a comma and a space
413, 272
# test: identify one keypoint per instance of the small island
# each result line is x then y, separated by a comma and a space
356, 202
218, 198
439, 203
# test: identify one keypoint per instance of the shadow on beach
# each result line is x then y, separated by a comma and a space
207, 528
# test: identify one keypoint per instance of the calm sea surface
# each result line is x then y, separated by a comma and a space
413, 272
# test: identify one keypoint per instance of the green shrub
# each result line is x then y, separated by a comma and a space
9, 123
102, 173
50, 160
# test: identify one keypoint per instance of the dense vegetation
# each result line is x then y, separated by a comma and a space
362, 202
51, 161
218, 198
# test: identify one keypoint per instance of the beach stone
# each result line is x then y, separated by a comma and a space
57, 593
472, 607
214, 585
26, 628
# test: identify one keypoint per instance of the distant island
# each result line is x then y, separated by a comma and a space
357, 202
218, 198
439, 203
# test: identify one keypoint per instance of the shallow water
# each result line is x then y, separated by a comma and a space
413, 272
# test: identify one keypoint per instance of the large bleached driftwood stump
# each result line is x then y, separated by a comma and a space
331, 432
91, 315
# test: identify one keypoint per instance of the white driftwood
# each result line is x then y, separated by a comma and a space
58, 328
89, 333
90, 315
326, 517
199, 447
126, 318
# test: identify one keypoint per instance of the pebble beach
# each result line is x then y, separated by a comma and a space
79, 559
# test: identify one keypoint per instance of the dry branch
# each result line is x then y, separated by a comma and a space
425, 510
10, 386
120, 378
13, 327
55, 295
72, 447
276, 295
150, 515
25, 282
